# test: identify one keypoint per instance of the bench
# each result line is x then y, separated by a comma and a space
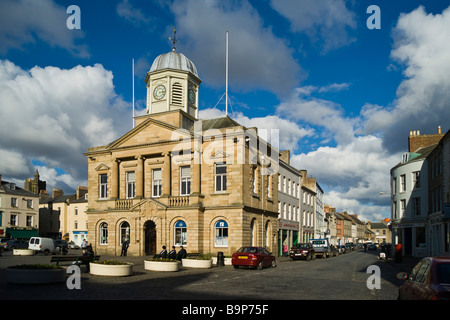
77, 259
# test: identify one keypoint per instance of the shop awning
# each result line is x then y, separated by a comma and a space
22, 234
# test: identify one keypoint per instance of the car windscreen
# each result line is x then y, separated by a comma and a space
247, 250
443, 273
301, 246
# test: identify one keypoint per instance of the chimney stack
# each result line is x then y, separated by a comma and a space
439, 129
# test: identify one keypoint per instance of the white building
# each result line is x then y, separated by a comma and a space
409, 198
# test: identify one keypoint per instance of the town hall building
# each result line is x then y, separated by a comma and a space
176, 180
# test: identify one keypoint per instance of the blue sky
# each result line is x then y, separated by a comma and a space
343, 96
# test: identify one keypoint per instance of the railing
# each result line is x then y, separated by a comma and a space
182, 201
124, 204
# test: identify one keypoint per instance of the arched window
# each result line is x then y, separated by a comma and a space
124, 232
180, 233
104, 233
221, 234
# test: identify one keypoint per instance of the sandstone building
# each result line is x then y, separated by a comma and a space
207, 185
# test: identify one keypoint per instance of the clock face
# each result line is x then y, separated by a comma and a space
191, 95
159, 92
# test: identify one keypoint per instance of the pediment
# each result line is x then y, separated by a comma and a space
150, 132
102, 167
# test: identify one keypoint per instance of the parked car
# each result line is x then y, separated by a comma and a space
72, 245
341, 249
334, 251
253, 257
39, 244
302, 251
15, 244
3, 241
429, 280
61, 246
372, 247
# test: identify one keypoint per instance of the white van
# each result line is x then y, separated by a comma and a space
38, 244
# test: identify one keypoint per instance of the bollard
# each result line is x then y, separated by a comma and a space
220, 259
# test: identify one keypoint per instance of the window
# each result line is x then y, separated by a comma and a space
131, 191
221, 176
156, 183
416, 179
75, 225
13, 220
104, 233
103, 186
76, 211
402, 183
29, 203
29, 221
14, 202
416, 206
402, 207
177, 93
221, 234
124, 232
185, 181
180, 233
394, 185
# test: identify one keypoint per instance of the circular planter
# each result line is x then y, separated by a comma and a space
35, 276
196, 263
23, 252
169, 266
111, 270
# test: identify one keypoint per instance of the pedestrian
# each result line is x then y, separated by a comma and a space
172, 253
125, 245
83, 244
181, 253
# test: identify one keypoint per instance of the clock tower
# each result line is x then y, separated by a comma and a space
172, 84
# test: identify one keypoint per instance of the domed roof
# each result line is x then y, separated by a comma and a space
173, 60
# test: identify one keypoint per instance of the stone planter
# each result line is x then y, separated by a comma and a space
111, 270
196, 263
169, 266
35, 276
23, 252
227, 261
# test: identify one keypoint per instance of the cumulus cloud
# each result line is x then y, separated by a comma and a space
326, 22
25, 21
421, 47
289, 132
257, 58
54, 115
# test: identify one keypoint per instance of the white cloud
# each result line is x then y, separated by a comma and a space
130, 13
24, 21
421, 47
55, 115
257, 58
290, 133
326, 22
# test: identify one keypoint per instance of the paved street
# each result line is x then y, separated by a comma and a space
342, 277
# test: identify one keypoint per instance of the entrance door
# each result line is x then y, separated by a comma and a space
150, 238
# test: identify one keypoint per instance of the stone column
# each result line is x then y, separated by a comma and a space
166, 175
140, 177
115, 179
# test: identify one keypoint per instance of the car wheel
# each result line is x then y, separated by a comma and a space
274, 263
308, 257
46, 252
260, 265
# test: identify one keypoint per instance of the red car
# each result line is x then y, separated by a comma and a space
302, 251
429, 280
253, 257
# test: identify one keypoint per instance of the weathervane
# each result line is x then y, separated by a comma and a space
174, 39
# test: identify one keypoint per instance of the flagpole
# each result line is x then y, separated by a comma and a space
133, 92
226, 89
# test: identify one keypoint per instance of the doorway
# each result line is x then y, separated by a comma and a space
150, 238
